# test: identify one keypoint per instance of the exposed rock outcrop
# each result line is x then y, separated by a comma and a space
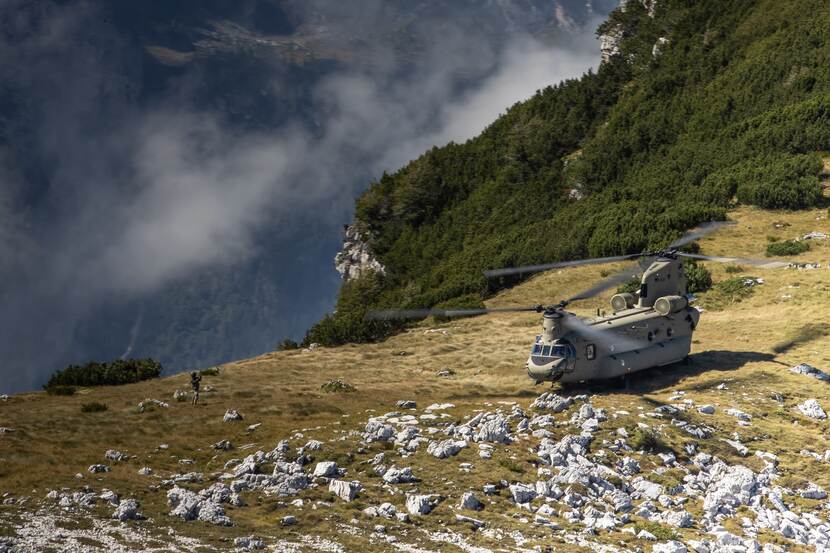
356, 256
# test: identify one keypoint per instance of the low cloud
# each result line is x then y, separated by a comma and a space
127, 198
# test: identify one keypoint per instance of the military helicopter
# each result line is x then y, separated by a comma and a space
650, 328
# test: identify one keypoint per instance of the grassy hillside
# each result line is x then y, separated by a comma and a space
733, 108
747, 345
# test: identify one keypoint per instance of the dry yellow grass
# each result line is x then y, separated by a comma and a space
749, 346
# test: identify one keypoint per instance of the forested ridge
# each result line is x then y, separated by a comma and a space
709, 103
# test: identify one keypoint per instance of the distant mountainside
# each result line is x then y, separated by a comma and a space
77, 82
698, 106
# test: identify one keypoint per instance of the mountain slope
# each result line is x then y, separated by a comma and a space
740, 360
705, 104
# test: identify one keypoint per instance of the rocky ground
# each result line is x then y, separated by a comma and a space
581, 476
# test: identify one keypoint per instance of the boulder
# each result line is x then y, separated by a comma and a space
812, 409
469, 520
470, 502
445, 448
326, 469
94, 469
813, 491
679, 519
232, 415
384, 510
522, 493
127, 510
223, 445
494, 430
113, 455
809, 370
346, 491
249, 543
551, 402
706, 409
394, 475
671, 546
406, 404
145, 471
421, 504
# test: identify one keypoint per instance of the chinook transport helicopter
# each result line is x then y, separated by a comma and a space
650, 328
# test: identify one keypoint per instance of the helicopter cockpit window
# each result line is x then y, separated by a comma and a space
546, 351
537, 349
644, 290
591, 351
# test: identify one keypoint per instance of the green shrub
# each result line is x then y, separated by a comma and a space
732, 269
787, 247
729, 291
337, 386
699, 278
511, 465
121, 371
646, 439
287, 345
60, 390
662, 533
93, 407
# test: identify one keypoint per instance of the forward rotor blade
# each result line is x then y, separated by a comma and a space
613, 280
698, 232
763, 263
396, 314
547, 266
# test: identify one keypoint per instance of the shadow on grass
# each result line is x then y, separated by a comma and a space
658, 378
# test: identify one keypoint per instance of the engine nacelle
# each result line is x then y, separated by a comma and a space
621, 302
670, 304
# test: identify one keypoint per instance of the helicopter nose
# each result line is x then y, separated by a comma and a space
546, 371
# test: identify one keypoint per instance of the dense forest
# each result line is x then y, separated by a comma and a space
708, 103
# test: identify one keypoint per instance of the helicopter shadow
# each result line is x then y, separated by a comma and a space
657, 378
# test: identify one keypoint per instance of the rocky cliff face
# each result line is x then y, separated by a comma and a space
356, 256
609, 42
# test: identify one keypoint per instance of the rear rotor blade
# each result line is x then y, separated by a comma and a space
763, 263
547, 266
613, 280
398, 314
610, 339
698, 232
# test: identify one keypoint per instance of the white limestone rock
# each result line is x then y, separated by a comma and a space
232, 415
470, 502
346, 491
127, 510
421, 504
394, 475
445, 448
251, 543
551, 402
671, 546
494, 430
522, 493
95, 469
706, 409
812, 409
356, 257
813, 491
810, 370
325, 469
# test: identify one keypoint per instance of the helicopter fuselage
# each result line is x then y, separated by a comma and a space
574, 357
650, 328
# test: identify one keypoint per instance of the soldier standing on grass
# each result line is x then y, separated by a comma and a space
195, 383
